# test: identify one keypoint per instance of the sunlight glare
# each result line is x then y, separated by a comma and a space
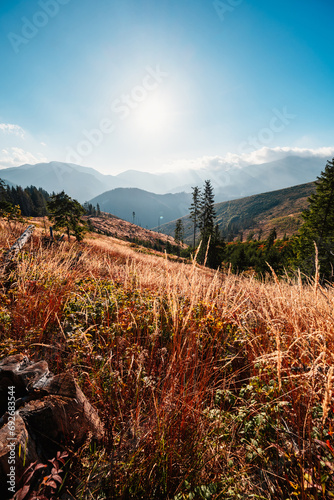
154, 116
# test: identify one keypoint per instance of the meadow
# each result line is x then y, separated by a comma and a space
210, 385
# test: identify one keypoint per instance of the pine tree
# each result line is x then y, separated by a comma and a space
207, 227
207, 214
179, 231
217, 249
5, 205
195, 210
66, 213
271, 238
318, 225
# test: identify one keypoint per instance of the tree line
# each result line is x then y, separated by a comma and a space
31, 201
64, 212
310, 250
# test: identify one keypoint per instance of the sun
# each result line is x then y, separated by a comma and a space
154, 116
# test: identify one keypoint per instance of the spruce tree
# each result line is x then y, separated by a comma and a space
66, 213
207, 214
195, 209
5, 205
318, 226
271, 238
179, 231
207, 226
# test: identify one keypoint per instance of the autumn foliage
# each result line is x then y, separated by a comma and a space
210, 385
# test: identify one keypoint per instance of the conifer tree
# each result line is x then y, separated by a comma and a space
271, 238
66, 213
195, 210
210, 235
207, 214
318, 225
5, 205
179, 231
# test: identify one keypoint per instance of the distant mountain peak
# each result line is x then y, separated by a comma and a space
85, 183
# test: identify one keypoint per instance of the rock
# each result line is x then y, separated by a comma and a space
47, 413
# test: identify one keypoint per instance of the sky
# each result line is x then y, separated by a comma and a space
165, 84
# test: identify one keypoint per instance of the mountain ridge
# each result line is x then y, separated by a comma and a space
229, 182
149, 208
258, 213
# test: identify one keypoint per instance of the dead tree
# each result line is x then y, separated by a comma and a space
14, 249
40, 414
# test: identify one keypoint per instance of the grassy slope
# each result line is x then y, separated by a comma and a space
281, 209
210, 386
114, 226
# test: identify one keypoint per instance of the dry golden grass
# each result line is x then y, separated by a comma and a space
210, 385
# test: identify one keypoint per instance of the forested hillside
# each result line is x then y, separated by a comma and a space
257, 214
31, 200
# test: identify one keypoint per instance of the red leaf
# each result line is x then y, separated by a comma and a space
329, 446
62, 456
21, 494
52, 484
29, 476
40, 466
57, 478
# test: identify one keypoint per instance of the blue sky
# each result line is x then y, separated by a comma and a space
168, 84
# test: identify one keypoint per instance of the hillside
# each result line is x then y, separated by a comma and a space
220, 379
149, 208
280, 209
111, 225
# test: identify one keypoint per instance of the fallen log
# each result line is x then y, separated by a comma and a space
20, 242
10, 255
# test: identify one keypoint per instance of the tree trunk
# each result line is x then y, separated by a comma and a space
14, 249
41, 414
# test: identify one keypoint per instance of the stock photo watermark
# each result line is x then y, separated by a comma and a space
11, 438
279, 121
122, 106
228, 6
30, 27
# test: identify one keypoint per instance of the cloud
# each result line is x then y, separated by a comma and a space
265, 154
14, 157
10, 128
241, 160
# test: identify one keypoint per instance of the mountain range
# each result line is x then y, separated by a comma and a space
84, 183
163, 197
